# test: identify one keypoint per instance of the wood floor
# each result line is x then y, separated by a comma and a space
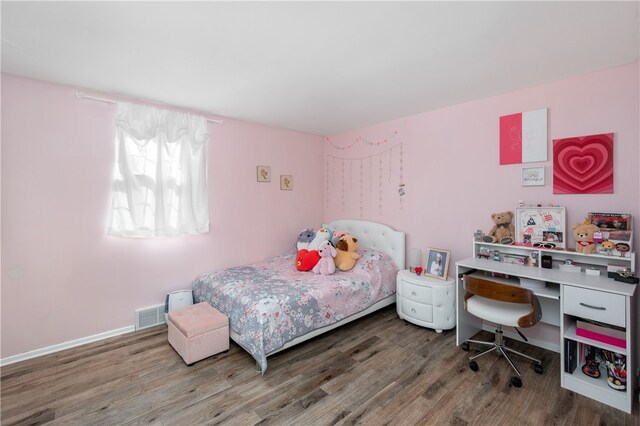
377, 370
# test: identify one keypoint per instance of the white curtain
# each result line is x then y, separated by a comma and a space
160, 176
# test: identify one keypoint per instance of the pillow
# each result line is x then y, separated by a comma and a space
306, 260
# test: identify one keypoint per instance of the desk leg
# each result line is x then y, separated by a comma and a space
467, 325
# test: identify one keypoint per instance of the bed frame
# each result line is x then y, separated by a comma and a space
370, 235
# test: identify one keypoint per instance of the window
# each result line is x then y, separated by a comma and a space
160, 176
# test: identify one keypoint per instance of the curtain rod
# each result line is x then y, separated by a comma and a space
80, 95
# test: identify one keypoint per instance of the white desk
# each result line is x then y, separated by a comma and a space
561, 313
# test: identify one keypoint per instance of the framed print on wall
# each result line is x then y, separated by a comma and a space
533, 176
286, 182
437, 263
264, 173
583, 165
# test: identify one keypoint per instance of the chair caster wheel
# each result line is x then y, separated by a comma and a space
516, 382
538, 368
465, 346
474, 366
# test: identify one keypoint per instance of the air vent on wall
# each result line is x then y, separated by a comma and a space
148, 317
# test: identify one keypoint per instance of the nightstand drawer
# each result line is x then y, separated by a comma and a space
418, 311
417, 293
596, 305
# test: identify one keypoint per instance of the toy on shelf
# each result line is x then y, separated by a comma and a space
503, 231
608, 247
591, 365
583, 234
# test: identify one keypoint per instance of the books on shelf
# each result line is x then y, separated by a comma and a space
616, 232
601, 333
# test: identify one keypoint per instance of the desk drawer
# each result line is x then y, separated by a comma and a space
417, 293
595, 305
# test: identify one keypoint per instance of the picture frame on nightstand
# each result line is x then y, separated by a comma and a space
437, 263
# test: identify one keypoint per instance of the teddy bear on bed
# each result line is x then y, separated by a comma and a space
347, 252
326, 265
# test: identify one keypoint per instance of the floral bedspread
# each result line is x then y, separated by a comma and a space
271, 303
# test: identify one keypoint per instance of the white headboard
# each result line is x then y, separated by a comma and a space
376, 236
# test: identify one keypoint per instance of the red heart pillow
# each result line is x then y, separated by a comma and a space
306, 260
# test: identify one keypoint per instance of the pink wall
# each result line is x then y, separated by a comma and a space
63, 278
451, 163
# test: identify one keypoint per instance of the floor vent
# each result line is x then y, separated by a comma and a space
148, 317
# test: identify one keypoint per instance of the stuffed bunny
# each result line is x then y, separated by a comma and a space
326, 265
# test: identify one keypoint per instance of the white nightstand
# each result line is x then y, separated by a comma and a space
426, 301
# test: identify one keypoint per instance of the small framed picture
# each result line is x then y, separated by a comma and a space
264, 174
286, 182
437, 263
533, 176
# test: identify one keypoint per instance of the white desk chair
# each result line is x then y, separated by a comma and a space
501, 304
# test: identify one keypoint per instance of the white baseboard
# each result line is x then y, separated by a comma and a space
66, 345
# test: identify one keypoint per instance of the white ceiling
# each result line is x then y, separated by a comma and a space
316, 67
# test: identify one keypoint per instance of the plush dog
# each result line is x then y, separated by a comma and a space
583, 234
326, 265
347, 255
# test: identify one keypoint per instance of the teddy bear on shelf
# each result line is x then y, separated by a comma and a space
583, 234
347, 255
503, 231
326, 265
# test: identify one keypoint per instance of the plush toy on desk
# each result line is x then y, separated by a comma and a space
304, 238
347, 255
503, 231
323, 234
326, 265
583, 234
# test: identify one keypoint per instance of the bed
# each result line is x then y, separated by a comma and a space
271, 306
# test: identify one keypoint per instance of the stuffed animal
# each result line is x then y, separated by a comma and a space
306, 260
347, 255
608, 247
583, 234
503, 231
304, 238
336, 237
323, 234
326, 265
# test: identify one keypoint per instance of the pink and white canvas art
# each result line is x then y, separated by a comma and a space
583, 165
523, 137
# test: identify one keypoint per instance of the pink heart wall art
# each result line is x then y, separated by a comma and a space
583, 165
